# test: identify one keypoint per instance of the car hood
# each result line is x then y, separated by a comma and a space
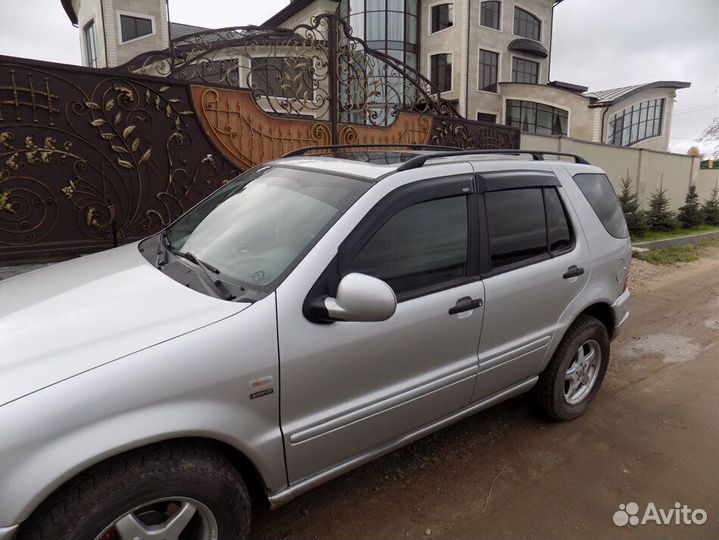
67, 318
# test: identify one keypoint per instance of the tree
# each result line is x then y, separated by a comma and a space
690, 215
710, 208
660, 218
710, 137
636, 218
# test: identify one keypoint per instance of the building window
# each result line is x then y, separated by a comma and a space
488, 62
489, 14
532, 117
441, 71
442, 16
90, 45
276, 77
134, 27
486, 117
525, 71
636, 123
527, 25
390, 27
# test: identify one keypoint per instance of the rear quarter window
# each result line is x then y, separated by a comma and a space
601, 196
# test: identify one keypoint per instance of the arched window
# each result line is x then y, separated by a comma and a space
527, 25
490, 14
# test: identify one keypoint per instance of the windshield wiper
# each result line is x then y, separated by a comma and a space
207, 270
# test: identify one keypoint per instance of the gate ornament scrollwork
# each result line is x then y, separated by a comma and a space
318, 69
112, 159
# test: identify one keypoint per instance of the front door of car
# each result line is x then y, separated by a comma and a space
534, 265
348, 388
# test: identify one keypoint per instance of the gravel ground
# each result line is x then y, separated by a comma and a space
643, 274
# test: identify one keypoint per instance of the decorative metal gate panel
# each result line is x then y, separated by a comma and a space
91, 158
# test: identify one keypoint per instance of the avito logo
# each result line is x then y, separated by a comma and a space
628, 514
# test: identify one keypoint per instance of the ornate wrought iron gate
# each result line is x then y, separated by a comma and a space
92, 158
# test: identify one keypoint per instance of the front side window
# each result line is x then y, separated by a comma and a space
489, 14
134, 27
525, 71
441, 71
532, 117
487, 117
255, 229
442, 16
601, 196
282, 77
636, 123
90, 45
527, 25
421, 247
488, 62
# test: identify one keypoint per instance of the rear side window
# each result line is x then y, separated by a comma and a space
526, 224
558, 234
601, 196
421, 247
516, 225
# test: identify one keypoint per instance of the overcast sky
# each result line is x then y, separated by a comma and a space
597, 43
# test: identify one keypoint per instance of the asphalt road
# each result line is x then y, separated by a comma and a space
652, 436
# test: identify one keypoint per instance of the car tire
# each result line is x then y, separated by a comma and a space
554, 391
181, 476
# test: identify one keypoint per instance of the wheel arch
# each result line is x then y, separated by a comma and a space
253, 479
601, 311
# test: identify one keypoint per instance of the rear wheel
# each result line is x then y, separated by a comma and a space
573, 377
180, 492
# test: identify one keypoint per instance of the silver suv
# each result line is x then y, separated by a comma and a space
314, 313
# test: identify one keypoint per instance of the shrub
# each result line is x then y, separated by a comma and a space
659, 217
710, 208
690, 215
636, 218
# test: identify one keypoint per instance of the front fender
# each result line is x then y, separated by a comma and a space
196, 385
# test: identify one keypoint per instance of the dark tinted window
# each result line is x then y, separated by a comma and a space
516, 224
489, 14
486, 117
441, 71
526, 24
524, 71
442, 17
558, 232
488, 62
420, 247
134, 27
600, 194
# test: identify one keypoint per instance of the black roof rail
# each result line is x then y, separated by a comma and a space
378, 147
419, 161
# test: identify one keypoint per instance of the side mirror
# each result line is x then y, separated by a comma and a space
361, 298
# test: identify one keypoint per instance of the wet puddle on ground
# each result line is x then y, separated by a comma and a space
672, 348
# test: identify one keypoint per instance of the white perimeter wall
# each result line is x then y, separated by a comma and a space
647, 168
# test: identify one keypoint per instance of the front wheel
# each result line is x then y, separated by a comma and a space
180, 492
573, 377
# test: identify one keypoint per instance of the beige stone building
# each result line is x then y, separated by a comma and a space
491, 58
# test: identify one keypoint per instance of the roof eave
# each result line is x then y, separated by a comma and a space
67, 6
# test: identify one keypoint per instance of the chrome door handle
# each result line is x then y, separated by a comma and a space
573, 271
465, 304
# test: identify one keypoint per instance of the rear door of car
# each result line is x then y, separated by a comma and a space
534, 262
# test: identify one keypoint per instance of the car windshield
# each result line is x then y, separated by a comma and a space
255, 229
